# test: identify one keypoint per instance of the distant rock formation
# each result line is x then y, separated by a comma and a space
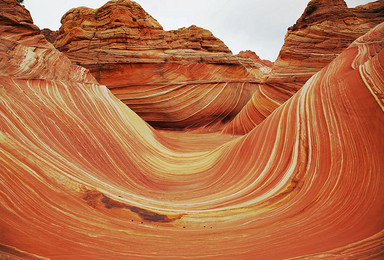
324, 30
49, 35
260, 68
184, 78
253, 56
28, 55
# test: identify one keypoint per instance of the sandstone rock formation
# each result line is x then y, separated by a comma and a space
258, 67
323, 31
82, 176
263, 102
26, 54
265, 64
184, 78
253, 56
49, 35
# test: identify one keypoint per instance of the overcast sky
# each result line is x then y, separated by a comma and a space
257, 25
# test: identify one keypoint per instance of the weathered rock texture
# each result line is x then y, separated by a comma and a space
258, 67
253, 56
25, 54
173, 79
263, 102
49, 35
323, 31
82, 176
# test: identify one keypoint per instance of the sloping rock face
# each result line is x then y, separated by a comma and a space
25, 52
184, 78
323, 31
263, 102
253, 56
258, 67
82, 176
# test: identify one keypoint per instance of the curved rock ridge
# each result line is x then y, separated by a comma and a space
263, 102
324, 30
184, 78
82, 176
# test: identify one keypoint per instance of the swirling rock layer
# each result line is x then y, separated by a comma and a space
82, 176
324, 30
184, 78
263, 102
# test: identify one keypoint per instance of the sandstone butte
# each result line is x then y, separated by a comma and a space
184, 78
324, 30
83, 176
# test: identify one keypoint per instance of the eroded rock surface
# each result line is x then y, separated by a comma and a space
258, 67
82, 176
49, 35
184, 78
324, 30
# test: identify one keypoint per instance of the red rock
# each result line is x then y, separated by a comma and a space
323, 31
264, 101
22, 44
184, 78
82, 176
253, 56
256, 66
49, 35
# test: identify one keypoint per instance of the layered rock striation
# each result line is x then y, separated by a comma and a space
82, 176
263, 102
183, 78
27, 55
258, 67
324, 30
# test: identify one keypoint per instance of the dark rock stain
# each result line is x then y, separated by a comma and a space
93, 196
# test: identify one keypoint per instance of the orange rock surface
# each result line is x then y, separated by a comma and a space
266, 64
256, 66
323, 31
184, 78
263, 102
82, 176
